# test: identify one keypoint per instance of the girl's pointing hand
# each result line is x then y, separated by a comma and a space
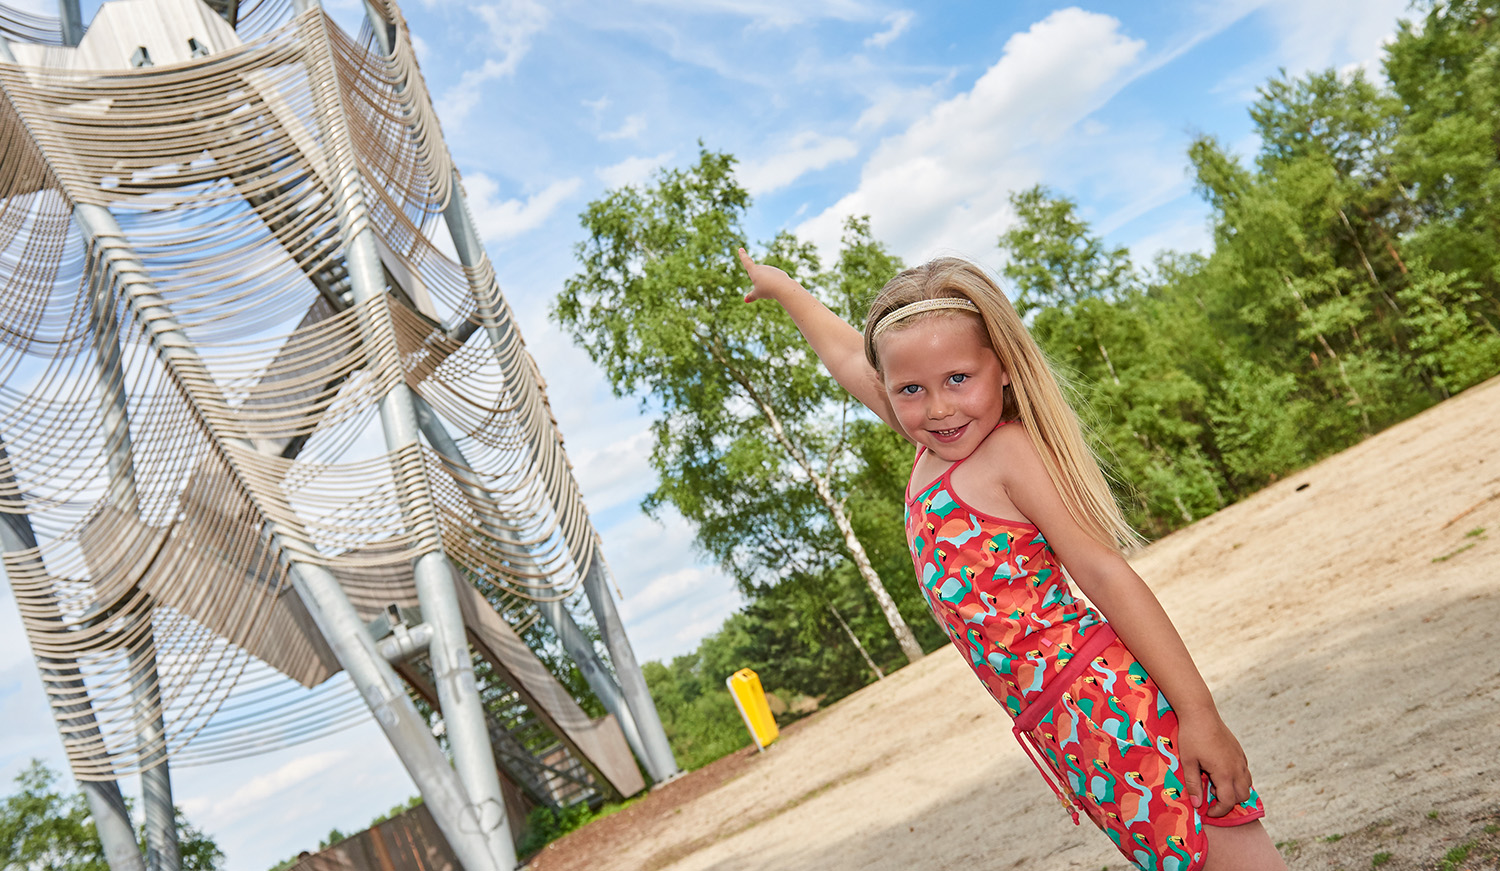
766, 282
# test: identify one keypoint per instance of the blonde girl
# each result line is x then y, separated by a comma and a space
1003, 493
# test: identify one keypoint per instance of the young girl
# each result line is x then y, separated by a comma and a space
1003, 493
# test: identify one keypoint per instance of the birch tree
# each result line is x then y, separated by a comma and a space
752, 435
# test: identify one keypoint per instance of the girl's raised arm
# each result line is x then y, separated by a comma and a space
840, 346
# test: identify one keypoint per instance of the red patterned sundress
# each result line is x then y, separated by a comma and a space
1087, 714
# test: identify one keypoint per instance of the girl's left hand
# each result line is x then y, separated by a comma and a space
1207, 746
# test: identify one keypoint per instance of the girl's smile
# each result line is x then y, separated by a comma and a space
944, 383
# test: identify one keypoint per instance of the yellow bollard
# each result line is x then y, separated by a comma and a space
744, 686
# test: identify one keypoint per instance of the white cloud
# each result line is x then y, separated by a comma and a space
664, 590
890, 104
632, 127
1316, 34
669, 603
1310, 35
263, 809
808, 152
898, 22
498, 220
945, 179
633, 170
1183, 235
618, 473
27, 730
226, 808
511, 25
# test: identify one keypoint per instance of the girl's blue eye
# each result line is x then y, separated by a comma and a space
909, 390
958, 379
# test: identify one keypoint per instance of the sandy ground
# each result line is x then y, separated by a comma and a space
1347, 619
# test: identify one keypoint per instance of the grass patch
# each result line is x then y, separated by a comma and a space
1333, 838
1477, 534
1453, 553
1432, 814
1491, 828
1456, 856
545, 825
1379, 859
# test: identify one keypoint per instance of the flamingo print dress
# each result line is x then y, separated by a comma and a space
1087, 714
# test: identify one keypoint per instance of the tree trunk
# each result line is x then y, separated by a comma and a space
1107, 362
903, 633
879, 675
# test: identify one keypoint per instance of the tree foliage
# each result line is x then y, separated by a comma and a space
42, 829
752, 442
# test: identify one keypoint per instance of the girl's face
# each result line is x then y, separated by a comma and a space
945, 385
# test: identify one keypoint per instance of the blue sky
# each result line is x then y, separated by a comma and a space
924, 118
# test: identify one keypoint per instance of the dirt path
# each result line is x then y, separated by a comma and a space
1347, 618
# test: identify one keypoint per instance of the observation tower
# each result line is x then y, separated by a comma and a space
273, 455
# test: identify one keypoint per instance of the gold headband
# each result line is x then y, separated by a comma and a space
918, 307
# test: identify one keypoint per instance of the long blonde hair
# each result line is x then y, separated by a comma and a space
1034, 395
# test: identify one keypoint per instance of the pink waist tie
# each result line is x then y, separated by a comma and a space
1098, 638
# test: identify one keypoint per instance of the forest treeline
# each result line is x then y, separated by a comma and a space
1353, 280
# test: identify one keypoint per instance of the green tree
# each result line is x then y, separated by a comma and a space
700, 718
199, 851
1054, 260
42, 829
1113, 345
752, 440
1444, 72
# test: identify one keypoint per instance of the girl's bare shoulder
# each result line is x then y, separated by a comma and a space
991, 471
1008, 448
1009, 460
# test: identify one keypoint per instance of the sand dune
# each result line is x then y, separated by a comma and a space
1347, 619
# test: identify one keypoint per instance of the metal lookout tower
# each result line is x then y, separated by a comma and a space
273, 456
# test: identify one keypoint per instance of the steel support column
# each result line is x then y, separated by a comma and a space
59, 678
651, 744
162, 851
632, 680
659, 761
578, 646
106, 803
452, 665
320, 591
71, 18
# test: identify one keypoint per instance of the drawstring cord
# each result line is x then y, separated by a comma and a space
1029, 745
1095, 642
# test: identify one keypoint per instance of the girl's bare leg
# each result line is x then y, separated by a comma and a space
1241, 848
